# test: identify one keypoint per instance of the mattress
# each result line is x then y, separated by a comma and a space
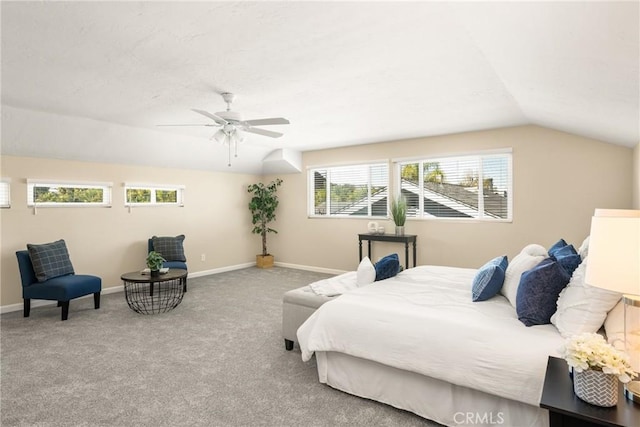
424, 321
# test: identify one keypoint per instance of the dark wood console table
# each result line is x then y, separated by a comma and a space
567, 410
406, 239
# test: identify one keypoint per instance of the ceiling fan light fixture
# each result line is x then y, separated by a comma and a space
220, 136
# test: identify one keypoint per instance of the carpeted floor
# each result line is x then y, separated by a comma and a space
218, 359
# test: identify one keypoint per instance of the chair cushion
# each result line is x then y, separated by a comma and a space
171, 248
50, 260
64, 288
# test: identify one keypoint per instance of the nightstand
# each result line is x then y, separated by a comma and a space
567, 410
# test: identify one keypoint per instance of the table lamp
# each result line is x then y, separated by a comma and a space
614, 264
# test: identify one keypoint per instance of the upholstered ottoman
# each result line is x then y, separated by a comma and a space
297, 306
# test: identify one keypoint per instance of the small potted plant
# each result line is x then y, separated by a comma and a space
596, 366
263, 204
154, 262
399, 214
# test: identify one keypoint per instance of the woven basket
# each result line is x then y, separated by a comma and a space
596, 387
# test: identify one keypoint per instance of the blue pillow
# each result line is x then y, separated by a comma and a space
568, 258
387, 267
538, 292
557, 246
489, 279
50, 260
171, 248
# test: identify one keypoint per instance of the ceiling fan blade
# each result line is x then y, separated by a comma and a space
215, 118
192, 125
263, 132
263, 122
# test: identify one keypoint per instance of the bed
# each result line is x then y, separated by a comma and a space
417, 342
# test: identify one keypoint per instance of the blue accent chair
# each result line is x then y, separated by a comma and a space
61, 289
171, 264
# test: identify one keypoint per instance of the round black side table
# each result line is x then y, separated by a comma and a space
147, 294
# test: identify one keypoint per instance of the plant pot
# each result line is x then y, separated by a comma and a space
155, 273
264, 261
596, 387
399, 230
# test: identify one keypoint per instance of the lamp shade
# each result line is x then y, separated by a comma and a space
614, 251
220, 136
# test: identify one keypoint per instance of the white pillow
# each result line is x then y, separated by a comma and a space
528, 258
366, 273
582, 307
583, 251
614, 326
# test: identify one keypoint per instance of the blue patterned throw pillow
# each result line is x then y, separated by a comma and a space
557, 246
50, 260
538, 292
568, 258
171, 248
489, 279
387, 267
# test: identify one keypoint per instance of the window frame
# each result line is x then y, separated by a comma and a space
311, 190
106, 187
5, 188
180, 190
507, 153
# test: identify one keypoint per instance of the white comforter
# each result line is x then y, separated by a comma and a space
423, 320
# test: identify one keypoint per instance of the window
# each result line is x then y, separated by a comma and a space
344, 191
5, 193
56, 193
472, 187
153, 195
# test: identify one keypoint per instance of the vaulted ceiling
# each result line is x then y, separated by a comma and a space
92, 80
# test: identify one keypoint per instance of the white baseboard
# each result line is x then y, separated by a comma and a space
120, 288
222, 269
309, 268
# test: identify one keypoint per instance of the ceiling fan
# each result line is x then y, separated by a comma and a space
232, 125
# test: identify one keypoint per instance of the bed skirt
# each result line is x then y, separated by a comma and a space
430, 398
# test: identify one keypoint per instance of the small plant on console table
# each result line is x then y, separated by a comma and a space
154, 262
399, 214
263, 204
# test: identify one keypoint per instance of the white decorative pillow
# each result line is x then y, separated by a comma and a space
583, 251
528, 258
614, 326
366, 273
582, 307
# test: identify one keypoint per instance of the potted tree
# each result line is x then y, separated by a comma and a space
263, 204
399, 214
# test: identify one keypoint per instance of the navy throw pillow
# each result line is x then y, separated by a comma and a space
568, 258
171, 248
557, 246
489, 279
387, 267
538, 292
50, 260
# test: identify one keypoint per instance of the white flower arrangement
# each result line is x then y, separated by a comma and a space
591, 351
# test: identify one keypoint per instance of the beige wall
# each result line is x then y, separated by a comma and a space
110, 241
559, 179
636, 177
